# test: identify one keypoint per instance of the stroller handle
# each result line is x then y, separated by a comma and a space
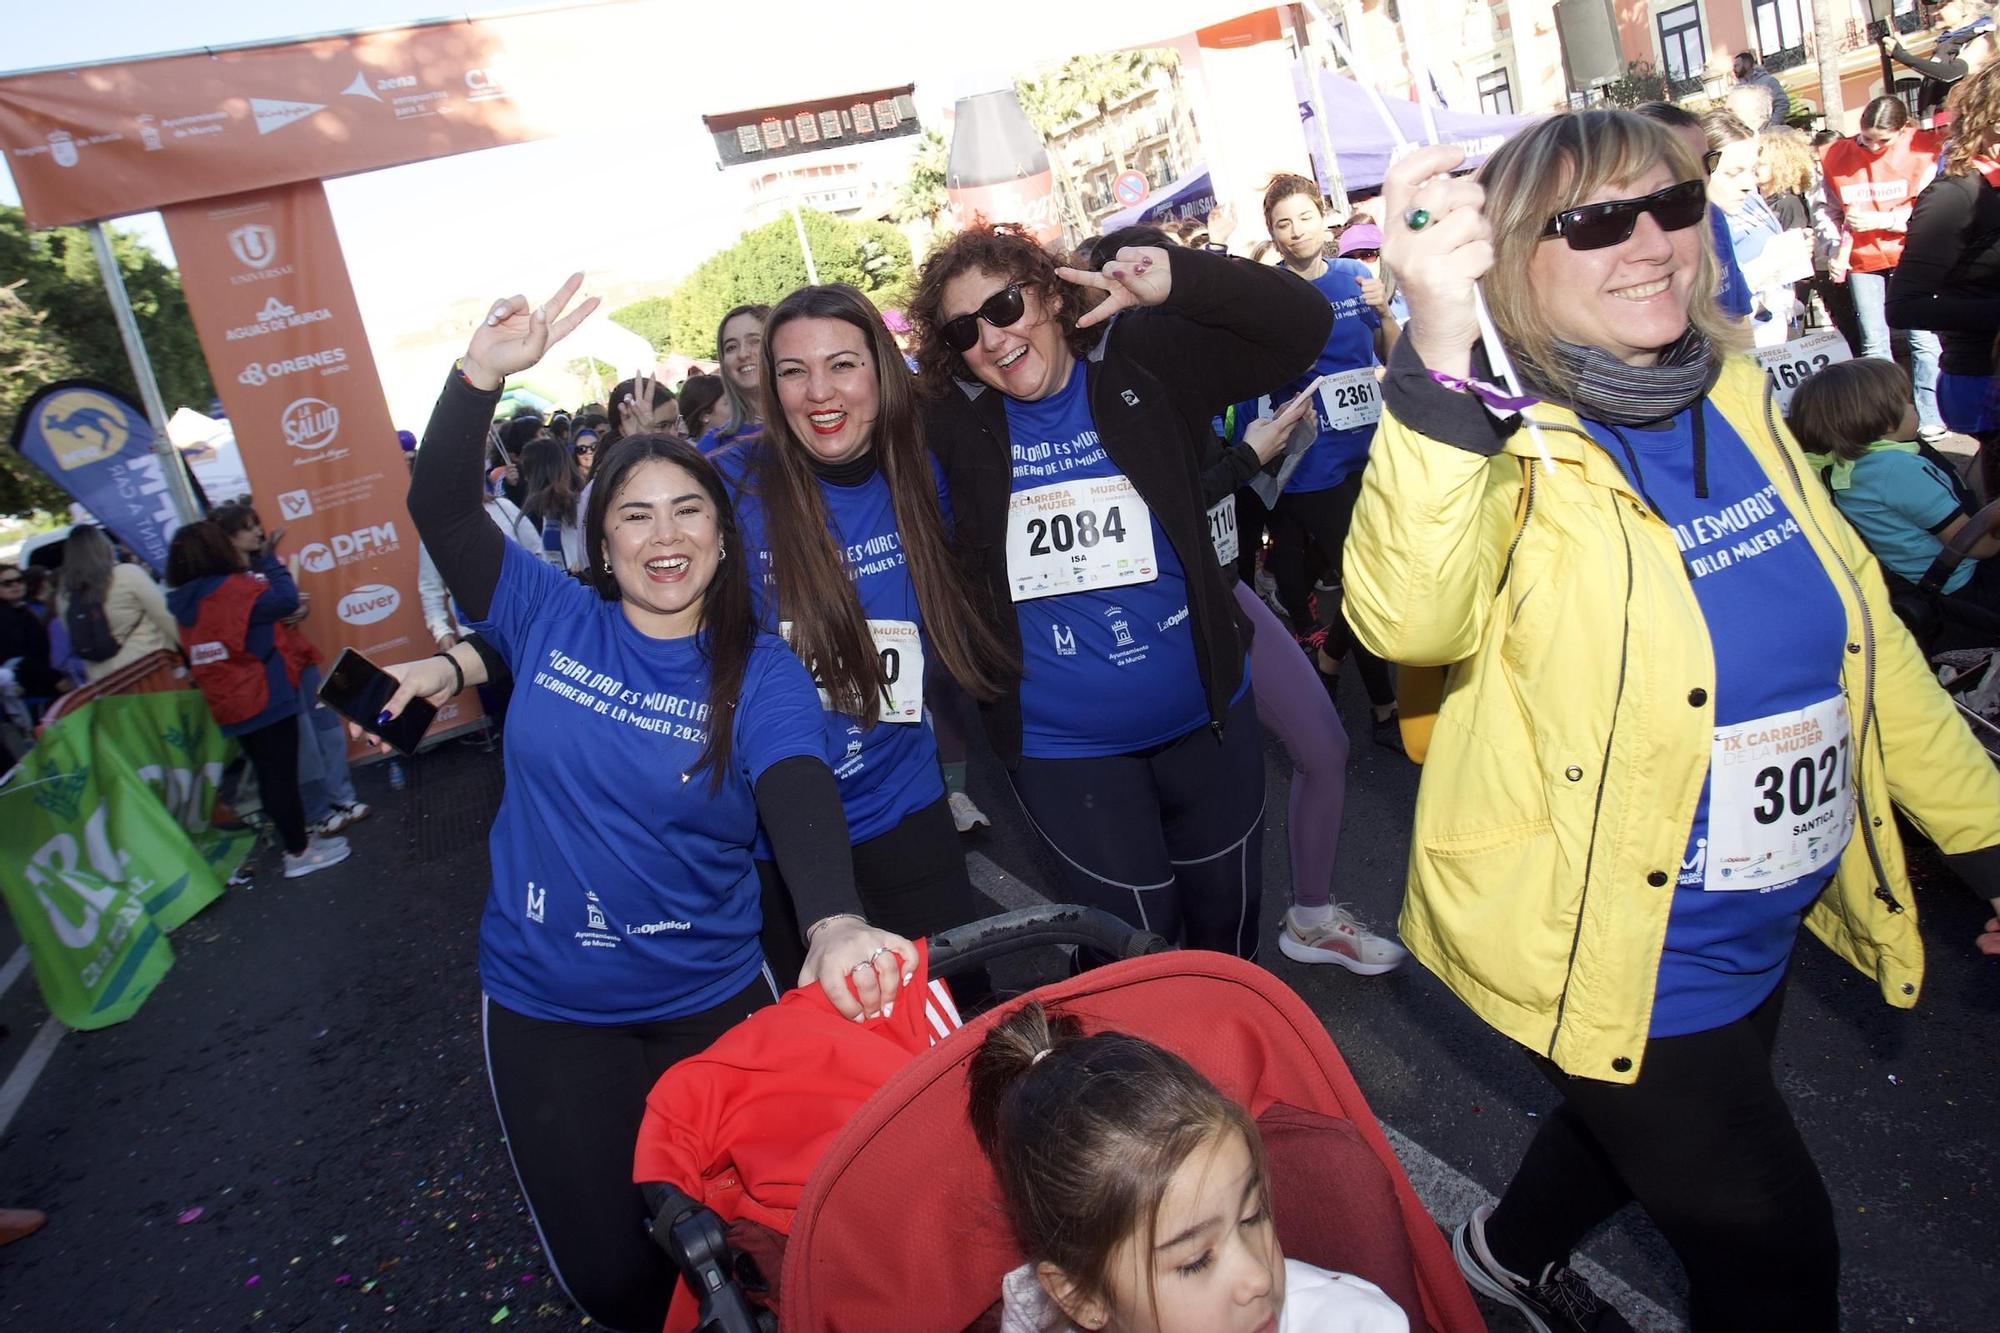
964, 947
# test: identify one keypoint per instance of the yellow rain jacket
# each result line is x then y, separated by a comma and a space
1574, 734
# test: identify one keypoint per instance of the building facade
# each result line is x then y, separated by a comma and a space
1507, 56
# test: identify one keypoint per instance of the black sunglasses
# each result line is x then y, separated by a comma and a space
1002, 310
586, 448
12, 583
1595, 226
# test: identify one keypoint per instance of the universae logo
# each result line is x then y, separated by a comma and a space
310, 423
254, 244
369, 603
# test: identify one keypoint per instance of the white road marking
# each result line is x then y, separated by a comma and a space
15, 966
1447, 1193
15, 1090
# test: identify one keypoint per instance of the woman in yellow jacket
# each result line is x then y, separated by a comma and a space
1676, 713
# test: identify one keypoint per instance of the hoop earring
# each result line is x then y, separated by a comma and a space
607, 566
722, 553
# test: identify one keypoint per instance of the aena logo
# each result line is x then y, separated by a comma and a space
310, 423
369, 603
254, 244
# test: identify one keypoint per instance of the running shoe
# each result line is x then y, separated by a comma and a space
342, 816
1344, 941
319, 854
965, 814
1561, 1302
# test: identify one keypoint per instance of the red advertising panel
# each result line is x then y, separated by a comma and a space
268, 289
107, 140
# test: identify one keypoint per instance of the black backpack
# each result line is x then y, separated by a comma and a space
90, 634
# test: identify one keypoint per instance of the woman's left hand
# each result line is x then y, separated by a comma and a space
1989, 939
860, 968
1137, 275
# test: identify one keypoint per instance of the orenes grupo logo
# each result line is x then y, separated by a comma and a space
310, 423
369, 603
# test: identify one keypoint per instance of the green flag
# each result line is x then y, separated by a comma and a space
105, 847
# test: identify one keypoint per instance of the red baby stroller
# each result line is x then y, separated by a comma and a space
901, 1215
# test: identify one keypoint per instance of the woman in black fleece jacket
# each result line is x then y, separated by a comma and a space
1949, 277
1074, 479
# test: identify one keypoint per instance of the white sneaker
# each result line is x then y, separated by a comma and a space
1344, 941
965, 814
341, 817
318, 855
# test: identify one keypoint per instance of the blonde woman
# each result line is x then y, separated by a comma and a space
1595, 869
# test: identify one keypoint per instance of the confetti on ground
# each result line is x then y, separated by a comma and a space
498, 1315
252, 1280
191, 1215
1897, 1081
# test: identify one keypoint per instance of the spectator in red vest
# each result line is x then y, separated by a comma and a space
249, 672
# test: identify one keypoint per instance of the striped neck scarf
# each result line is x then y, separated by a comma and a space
1602, 388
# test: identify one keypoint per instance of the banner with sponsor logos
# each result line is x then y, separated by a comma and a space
105, 846
268, 289
97, 445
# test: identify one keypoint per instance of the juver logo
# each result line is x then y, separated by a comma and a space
369, 603
310, 423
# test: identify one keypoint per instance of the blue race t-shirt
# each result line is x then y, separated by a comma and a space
1337, 454
889, 771
1778, 633
721, 437
1899, 502
623, 886
1103, 671
1732, 294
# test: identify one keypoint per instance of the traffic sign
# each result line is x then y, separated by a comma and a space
1131, 188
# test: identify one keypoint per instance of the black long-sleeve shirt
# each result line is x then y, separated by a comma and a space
1949, 276
798, 800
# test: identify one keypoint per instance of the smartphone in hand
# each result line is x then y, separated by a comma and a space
358, 690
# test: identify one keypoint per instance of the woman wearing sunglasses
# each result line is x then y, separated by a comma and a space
1069, 446
1678, 704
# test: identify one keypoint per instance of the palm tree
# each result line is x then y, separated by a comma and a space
1826, 39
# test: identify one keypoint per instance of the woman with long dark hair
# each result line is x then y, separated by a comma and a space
550, 486
614, 945
134, 608
739, 350
838, 503
1078, 512
230, 613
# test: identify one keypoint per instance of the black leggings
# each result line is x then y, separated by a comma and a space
1170, 839
912, 881
570, 1099
1704, 1142
273, 752
1321, 518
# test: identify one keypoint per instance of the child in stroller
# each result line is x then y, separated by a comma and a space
1139, 1193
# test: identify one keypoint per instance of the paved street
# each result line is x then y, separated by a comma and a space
296, 1133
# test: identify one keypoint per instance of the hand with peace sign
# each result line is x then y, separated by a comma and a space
1137, 275
642, 415
513, 337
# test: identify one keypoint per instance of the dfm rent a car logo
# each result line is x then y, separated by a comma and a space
310, 423
346, 548
369, 603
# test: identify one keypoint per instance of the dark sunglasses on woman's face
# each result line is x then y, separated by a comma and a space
1595, 226
586, 448
1002, 310
12, 583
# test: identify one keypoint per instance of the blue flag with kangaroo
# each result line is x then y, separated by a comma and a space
97, 445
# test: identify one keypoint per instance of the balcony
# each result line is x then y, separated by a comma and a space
1790, 58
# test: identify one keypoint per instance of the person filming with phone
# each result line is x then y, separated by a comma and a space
1679, 712
613, 946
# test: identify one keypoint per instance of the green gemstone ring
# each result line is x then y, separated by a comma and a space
1417, 219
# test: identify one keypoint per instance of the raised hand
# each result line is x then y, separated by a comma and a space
1437, 262
641, 416
514, 337
1137, 275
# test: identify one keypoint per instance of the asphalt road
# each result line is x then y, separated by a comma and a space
309, 1078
